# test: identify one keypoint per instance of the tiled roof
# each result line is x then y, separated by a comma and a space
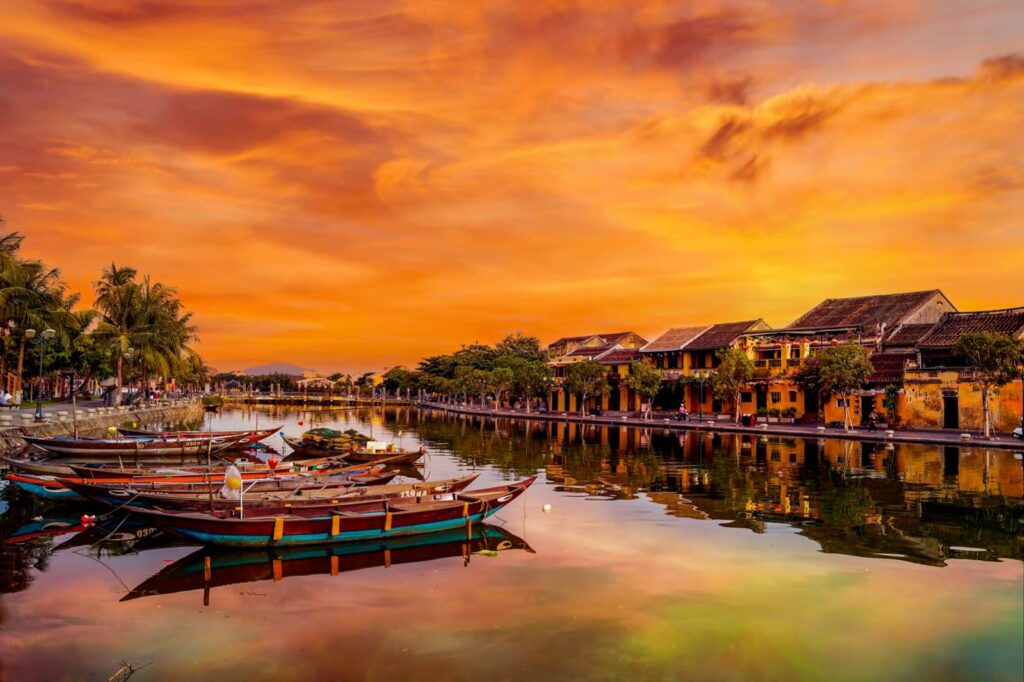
674, 339
609, 338
588, 352
908, 335
951, 326
864, 311
888, 367
722, 335
619, 356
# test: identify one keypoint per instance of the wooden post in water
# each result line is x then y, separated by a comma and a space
74, 412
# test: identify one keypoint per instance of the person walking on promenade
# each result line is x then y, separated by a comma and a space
683, 415
873, 421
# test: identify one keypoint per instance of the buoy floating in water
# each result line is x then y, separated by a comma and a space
546, 508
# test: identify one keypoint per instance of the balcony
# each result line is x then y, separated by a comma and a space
794, 362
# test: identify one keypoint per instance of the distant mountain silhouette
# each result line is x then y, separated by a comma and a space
277, 368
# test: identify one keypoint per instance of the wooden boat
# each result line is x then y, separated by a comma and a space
130, 449
207, 568
242, 438
306, 501
50, 487
39, 468
388, 518
356, 455
248, 469
44, 487
146, 494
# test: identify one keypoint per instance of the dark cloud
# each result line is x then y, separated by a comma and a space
717, 146
730, 91
686, 42
800, 117
1002, 67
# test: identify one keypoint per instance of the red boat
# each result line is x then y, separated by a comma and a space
384, 519
312, 500
241, 438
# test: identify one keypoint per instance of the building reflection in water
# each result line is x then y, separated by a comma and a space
918, 503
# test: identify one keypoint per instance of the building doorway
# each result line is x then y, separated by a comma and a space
950, 412
867, 406
761, 397
614, 399
811, 406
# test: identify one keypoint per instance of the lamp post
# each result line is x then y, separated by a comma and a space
43, 339
129, 354
702, 376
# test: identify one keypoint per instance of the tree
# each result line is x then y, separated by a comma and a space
117, 300
531, 379
996, 360
645, 379
501, 381
732, 375
32, 296
808, 377
844, 369
397, 379
892, 403
587, 378
521, 347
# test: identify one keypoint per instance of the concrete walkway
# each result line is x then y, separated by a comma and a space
930, 437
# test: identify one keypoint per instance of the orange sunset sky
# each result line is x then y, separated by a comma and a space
354, 185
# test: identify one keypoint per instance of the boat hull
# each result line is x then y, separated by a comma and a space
128, 449
305, 450
290, 531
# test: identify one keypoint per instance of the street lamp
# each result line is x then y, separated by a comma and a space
702, 376
130, 356
43, 339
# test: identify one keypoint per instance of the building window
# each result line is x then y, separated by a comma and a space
776, 397
792, 396
839, 402
746, 397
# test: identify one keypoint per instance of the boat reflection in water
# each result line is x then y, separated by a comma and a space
210, 567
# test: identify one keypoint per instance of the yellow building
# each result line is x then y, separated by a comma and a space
864, 320
616, 357
686, 354
941, 393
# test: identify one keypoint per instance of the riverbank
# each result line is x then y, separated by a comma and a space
951, 438
314, 400
92, 419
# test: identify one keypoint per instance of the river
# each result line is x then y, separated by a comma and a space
639, 554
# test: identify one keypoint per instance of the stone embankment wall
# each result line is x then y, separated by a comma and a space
92, 421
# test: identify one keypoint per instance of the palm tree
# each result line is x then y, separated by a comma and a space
32, 296
145, 316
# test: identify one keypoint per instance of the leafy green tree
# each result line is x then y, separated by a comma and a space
476, 381
892, 403
733, 374
844, 369
808, 377
996, 360
531, 379
522, 347
502, 379
32, 296
477, 356
586, 378
645, 379
398, 379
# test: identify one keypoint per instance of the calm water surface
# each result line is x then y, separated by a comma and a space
663, 557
